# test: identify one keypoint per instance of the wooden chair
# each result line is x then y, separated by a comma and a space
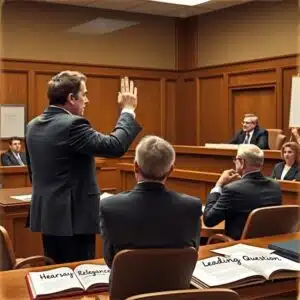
209, 294
276, 139
140, 271
266, 221
7, 256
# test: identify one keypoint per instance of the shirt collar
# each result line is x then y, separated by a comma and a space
61, 108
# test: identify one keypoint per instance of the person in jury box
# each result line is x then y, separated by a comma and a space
14, 156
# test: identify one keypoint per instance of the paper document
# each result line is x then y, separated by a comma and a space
22, 197
243, 249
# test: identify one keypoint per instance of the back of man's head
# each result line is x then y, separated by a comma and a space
253, 155
154, 158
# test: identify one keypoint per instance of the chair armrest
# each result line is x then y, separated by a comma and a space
219, 238
32, 261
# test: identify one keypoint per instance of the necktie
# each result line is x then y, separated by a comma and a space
19, 159
247, 138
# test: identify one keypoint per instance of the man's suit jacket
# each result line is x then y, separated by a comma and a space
8, 159
149, 216
292, 174
61, 149
259, 138
238, 199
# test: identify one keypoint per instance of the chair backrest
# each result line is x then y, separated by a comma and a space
140, 271
7, 257
207, 294
281, 138
272, 220
273, 133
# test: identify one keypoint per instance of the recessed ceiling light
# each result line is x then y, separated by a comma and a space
183, 2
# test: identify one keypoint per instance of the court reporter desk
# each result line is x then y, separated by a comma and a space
13, 285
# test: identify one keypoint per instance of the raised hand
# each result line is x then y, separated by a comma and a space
127, 97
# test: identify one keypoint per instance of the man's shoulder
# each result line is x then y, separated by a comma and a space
185, 198
262, 131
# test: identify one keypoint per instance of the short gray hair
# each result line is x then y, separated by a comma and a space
155, 157
254, 118
252, 154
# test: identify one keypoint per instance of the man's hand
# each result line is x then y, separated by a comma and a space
128, 95
227, 177
295, 132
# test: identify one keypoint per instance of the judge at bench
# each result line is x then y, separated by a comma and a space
251, 133
14, 156
150, 215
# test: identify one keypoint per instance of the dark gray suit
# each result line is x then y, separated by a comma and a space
238, 199
292, 174
9, 159
260, 138
149, 216
61, 149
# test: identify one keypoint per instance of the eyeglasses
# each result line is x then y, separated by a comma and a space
247, 123
235, 159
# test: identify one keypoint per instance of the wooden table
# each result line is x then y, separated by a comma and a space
13, 285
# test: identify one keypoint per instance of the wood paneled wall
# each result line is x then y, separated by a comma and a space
211, 101
191, 107
25, 82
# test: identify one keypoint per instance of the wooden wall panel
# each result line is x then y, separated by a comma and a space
170, 110
41, 87
186, 113
213, 111
27, 81
260, 101
102, 109
14, 87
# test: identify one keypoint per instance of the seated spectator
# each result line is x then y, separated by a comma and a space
150, 216
240, 191
251, 133
289, 169
296, 135
14, 156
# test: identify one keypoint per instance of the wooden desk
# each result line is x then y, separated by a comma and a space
13, 216
216, 160
13, 285
198, 183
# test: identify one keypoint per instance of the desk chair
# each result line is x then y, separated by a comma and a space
266, 221
7, 256
140, 271
209, 294
276, 139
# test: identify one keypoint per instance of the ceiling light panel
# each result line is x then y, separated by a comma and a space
183, 2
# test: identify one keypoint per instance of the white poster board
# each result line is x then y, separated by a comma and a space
12, 121
295, 103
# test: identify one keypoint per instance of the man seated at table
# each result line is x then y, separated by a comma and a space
150, 216
239, 191
14, 156
251, 133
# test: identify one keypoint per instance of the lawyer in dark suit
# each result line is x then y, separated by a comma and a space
61, 146
14, 156
150, 216
240, 191
251, 133
289, 169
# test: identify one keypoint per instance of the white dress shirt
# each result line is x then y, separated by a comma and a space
250, 136
284, 171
